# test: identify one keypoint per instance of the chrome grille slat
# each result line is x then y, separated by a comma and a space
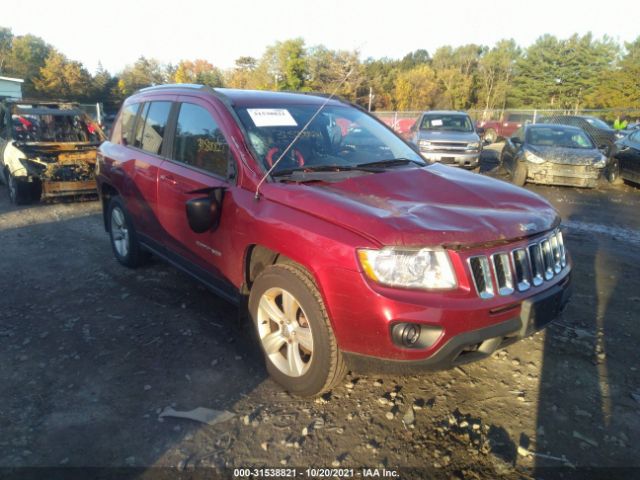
502, 269
521, 268
548, 259
482, 276
537, 265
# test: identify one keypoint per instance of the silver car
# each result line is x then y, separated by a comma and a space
448, 137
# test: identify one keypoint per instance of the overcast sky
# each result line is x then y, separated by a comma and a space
117, 32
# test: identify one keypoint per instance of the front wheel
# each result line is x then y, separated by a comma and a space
613, 172
294, 332
519, 175
19, 191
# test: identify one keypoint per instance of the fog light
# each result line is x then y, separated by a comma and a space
406, 334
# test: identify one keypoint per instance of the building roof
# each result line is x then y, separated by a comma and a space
10, 79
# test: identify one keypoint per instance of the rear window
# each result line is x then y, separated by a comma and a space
122, 130
153, 127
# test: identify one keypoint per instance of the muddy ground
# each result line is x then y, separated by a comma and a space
91, 353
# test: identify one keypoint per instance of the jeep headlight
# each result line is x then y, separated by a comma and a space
473, 146
426, 268
532, 157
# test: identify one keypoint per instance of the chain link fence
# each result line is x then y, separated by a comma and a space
402, 121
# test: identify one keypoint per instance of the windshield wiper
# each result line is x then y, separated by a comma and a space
391, 162
324, 168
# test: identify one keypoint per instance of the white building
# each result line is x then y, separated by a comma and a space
11, 87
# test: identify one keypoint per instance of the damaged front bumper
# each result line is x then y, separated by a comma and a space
562, 174
65, 174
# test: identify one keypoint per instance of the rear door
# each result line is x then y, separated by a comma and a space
199, 160
146, 155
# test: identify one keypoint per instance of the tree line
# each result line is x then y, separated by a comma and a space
573, 73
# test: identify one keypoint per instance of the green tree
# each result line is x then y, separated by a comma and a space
6, 39
286, 64
557, 73
380, 75
144, 72
198, 71
326, 69
416, 89
242, 75
414, 59
27, 57
496, 70
63, 78
620, 86
456, 70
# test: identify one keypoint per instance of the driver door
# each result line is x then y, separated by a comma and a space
200, 162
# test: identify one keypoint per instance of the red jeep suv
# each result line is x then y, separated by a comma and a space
351, 249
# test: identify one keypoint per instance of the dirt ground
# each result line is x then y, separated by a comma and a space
91, 353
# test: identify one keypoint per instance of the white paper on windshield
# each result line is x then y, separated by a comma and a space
271, 117
436, 122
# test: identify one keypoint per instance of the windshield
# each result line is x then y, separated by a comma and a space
64, 126
449, 123
558, 137
596, 122
339, 136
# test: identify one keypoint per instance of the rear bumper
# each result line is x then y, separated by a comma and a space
535, 313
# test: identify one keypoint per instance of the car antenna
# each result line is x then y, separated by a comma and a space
299, 134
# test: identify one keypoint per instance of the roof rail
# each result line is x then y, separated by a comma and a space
193, 86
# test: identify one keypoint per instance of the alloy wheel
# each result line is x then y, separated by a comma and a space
285, 332
119, 232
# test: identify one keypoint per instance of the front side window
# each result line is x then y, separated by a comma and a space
448, 123
199, 141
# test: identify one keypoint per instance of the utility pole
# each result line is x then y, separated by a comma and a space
371, 95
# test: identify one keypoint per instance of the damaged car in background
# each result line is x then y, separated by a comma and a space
553, 155
47, 150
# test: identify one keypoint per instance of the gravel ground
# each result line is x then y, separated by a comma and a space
91, 353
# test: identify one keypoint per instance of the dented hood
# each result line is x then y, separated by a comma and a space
434, 205
567, 156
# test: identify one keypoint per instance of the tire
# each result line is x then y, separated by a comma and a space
19, 191
490, 136
613, 172
124, 240
306, 367
519, 174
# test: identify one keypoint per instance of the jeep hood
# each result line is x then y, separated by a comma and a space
434, 205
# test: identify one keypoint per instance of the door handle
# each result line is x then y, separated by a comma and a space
168, 179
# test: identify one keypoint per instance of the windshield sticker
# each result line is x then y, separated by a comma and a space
436, 122
271, 117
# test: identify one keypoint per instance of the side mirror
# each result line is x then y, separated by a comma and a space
204, 213
480, 131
